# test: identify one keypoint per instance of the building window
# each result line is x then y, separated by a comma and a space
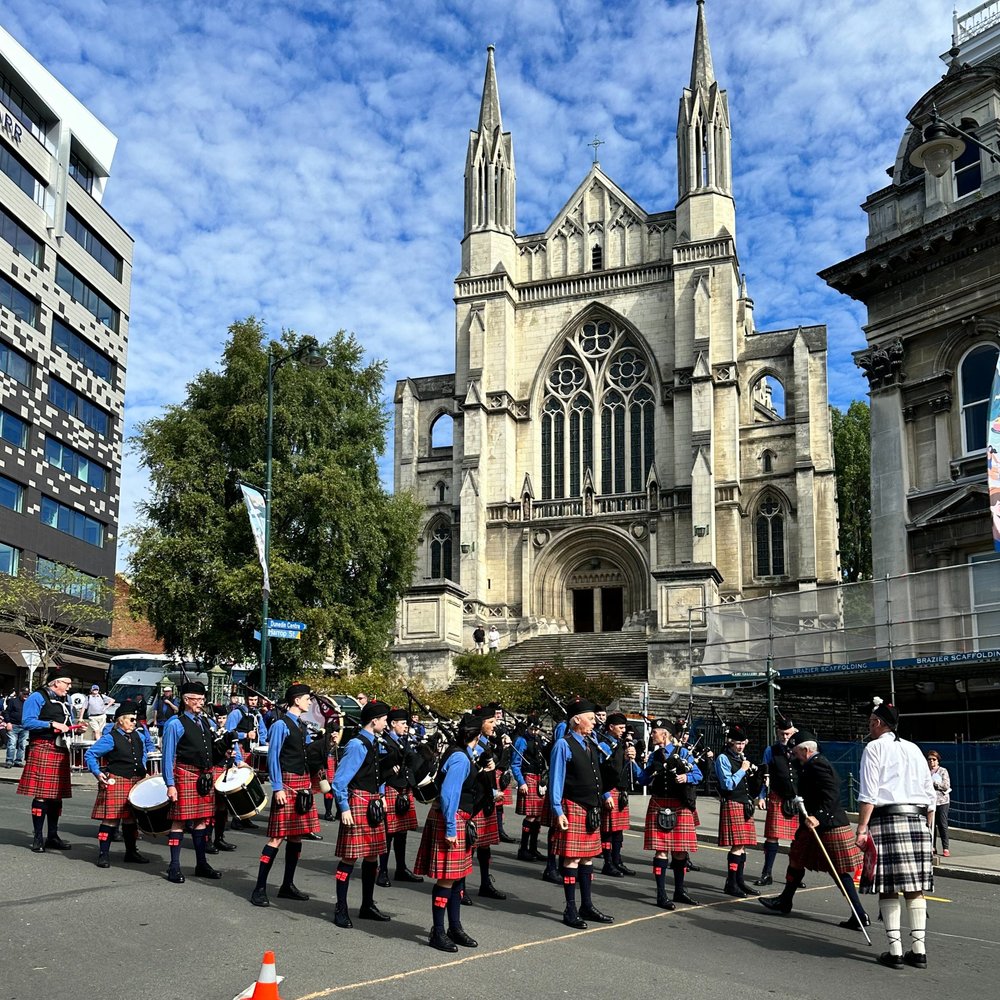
88, 296
68, 580
9, 559
442, 431
81, 349
600, 381
770, 539
65, 398
93, 244
72, 522
20, 173
441, 551
975, 380
13, 430
767, 461
968, 167
22, 305
11, 495
81, 173
62, 456
12, 232
767, 397
14, 363
440, 488
596, 257
985, 584
24, 111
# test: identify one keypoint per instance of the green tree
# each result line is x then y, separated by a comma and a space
852, 454
342, 548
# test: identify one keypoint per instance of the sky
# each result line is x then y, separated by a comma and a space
302, 161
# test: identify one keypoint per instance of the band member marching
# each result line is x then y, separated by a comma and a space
671, 817
504, 776
187, 771
223, 753
736, 825
528, 766
47, 718
578, 796
618, 771
400, 812
247, 721
551, 872
358, 787
488, 751
819, 786
776, 792
118, 761
293, 813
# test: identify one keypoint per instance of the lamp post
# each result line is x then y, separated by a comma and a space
310, 354
942, 144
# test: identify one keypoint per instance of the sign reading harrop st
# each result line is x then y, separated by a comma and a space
280, 623
283, 633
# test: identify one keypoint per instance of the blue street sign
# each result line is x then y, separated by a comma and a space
273, 623
256, 634
283, 633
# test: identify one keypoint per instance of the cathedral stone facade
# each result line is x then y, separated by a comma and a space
618, 445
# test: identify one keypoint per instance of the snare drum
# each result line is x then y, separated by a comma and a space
242, 791
258, 760
151, 806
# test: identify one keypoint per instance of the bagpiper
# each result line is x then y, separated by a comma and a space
400, 811
777, 791
618, 772
736, 824
528, 766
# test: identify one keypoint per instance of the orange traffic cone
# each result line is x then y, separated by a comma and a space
266, 987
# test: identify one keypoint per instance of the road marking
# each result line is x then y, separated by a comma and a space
962, 937
939, 899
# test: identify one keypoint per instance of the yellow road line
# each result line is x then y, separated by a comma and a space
938, 899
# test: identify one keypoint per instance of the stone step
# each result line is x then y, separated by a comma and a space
621, 653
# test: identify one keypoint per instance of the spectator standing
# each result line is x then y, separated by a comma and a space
17, 735
942, 788
479, 638
164, 708
417, 729
97, 711
494, 639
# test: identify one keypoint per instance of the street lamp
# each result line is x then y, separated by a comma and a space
311, 356
943, 143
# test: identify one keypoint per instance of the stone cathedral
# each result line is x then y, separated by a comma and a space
618, 445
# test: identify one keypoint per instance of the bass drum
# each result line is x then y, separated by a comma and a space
242, 790
149, 802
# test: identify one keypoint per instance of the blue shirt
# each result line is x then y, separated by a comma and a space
354, 757
561, 754
455, 770
726, 776
765, 760
33, 706
276, 737
172, 731
107, 743
609, 744
517, 759
647, 774
236, 716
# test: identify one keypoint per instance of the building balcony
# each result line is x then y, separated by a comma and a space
588, 505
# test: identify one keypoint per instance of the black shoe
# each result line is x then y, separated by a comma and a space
57, 844
612, 871
342, 918
683, 897
525, 856
458, 935
747, 891
211, 848
247, 825
624, 868
135, 858
311, 836
732, 889
691, 866
466, 899
175, 876
290, 891
259, 897
775, 904
764, 880
442, 942
537, 856
221, 844
382, 879
405, 875
593, 913
206, 871
103, 861
551, 875
663, 903
851, 923
504, 839
372, 912
235, 824
328, 816
38, 846
489, 890
890, 961
915, 961
575, 921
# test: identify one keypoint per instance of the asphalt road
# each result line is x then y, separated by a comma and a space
71, 930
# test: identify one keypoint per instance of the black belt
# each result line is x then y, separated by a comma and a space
900, 809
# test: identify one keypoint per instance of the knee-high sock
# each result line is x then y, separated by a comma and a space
499, 809
200, 838
732, 866
585, 876
483, 855
569, 877
455, 905
219, 829
174, 843
439, 906
793, 879
267, 857
525, 836
369, 872
679, 867
660, 874
343, 878
617, 842
328, 803
550, 857
770, 853
847, 881
383, 861
399, 849
891, 911
38, 816
606, 848
916, 912
53, 810
293, 848
104, 839
536, 829
130, 834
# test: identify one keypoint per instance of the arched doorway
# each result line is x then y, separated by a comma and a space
597, 596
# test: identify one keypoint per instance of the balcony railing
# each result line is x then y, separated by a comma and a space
588, 505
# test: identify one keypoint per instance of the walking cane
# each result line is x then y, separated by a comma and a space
833, 872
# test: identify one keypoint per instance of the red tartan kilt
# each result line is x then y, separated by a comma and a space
683, 837
46, 772
111, 804
435, 857
548, 816
615, 819
190, 806
840, 844
734, 830
530, 804
284, 821
331, 766
778, 826
394, 822
360, 840
507, 795
575, 842
488, 829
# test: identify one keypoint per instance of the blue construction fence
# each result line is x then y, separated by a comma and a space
974, 769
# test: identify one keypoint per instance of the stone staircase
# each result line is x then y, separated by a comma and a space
621, 653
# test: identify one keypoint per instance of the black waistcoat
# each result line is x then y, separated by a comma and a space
532, 761
583, 783
741, 793
780, 772
368, 777
194, 748
470, 799
292, 758
124, 760
54, 710
613, 768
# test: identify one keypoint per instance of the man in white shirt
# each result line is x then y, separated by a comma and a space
896, 804
97, 712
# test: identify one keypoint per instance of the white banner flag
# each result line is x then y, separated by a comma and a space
256, 507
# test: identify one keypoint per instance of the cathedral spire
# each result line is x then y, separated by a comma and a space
702, 73
489, 111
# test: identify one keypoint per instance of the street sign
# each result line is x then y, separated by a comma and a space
283, 633
281, 623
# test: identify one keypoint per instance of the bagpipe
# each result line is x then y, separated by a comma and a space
428, 753
555, 707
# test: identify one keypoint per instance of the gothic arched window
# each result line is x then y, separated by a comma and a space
440, 550
975, 383
770, 528
600, 383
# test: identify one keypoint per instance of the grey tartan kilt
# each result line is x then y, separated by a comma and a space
905, 862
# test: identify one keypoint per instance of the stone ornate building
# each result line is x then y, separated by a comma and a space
618, 445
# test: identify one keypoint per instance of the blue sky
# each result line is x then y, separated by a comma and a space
302, 160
